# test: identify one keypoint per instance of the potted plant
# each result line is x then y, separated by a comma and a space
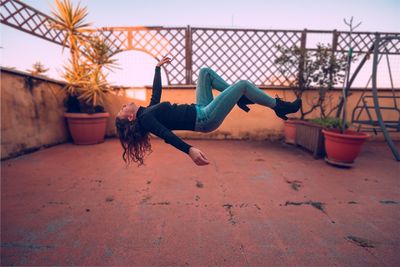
289, 62
343, 145
311, 135
321, 69
290, 130
342, 148
84, 73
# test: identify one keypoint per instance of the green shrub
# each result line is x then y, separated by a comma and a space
328, 122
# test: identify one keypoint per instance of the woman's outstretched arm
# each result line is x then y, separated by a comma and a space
156, 91
157, 87
151, 124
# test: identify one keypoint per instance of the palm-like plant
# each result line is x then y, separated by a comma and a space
71, 21
89, 55
87, 79
77, 75
98, 55
38, 69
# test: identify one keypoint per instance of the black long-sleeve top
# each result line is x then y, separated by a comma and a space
161, 118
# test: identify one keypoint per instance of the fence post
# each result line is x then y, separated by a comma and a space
334, 48
129, 39
303, 52
188, 55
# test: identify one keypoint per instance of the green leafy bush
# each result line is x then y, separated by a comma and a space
329, 122
322, 69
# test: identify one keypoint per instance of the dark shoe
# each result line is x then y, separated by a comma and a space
282, 107
243, 102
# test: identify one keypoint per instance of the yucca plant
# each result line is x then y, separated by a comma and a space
71, 21
77, 75
38, 69
98, 55
90, 54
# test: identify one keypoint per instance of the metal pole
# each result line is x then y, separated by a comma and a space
303, 52
334, 47
188, 55
375, 97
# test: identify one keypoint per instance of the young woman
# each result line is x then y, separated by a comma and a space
134, 123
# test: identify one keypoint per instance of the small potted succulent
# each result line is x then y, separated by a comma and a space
84, 73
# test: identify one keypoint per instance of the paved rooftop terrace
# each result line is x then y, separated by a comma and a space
257, 204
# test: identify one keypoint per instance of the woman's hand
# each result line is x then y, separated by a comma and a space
163, 61
198, 157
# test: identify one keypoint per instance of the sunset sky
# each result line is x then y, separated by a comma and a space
21, 50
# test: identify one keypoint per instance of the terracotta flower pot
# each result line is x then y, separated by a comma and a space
87, 129
343, 148
290, 131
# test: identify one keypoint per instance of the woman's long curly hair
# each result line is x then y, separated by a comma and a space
134, 141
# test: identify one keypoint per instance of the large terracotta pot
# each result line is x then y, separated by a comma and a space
289, 130
87, 129
343, 148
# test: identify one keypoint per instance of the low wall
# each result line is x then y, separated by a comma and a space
31, 113
32, 110
261, 123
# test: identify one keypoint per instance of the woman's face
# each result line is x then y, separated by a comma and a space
128, 111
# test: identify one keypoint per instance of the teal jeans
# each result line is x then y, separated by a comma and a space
211, 111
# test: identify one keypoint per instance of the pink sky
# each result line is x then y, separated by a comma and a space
21, 50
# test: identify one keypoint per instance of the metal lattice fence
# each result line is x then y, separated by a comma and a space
241, 54
155, 41
234, 53
19, 15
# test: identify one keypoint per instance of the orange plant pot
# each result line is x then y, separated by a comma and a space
289, 130
87, 129
343, 147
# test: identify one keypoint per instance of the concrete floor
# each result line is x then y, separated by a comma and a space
257, 204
